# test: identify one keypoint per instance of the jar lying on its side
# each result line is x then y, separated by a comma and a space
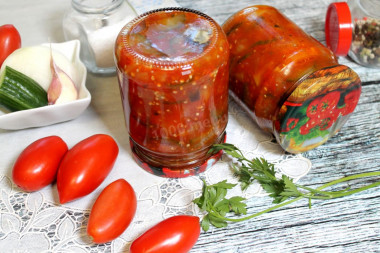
173, 74
290, 83
353, 28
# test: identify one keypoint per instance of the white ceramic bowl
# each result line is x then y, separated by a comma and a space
51, 114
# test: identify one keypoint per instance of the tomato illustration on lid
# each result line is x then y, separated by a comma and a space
317, 108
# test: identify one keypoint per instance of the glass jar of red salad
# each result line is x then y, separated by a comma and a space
289, 82
173, 74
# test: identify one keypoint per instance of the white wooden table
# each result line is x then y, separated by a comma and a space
349, 224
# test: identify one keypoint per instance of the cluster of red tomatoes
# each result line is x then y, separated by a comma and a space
79, 171
323, 111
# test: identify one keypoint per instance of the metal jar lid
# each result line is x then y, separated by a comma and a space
317, 108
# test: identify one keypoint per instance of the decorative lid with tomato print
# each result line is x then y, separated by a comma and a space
317, 108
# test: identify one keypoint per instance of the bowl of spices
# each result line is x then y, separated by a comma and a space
353, 29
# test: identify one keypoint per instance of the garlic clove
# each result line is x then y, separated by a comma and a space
62, 88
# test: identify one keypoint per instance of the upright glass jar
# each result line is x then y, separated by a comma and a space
173, 74
353, 28
290, 83
96, 23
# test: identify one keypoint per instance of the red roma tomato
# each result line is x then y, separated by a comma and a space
290, 124
112, 212
10, 40
37, 165
351, 100
177, 234
85, 166
313, 122
326, 123
313, 108
329, 103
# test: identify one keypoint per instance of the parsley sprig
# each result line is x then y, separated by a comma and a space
282, 189
214, 200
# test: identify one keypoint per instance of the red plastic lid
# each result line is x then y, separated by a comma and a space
338, 28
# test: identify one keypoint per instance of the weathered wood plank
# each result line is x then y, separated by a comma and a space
349, 224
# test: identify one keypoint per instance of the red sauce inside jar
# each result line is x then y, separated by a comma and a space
173, 76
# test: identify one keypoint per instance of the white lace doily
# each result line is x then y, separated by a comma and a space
27, 218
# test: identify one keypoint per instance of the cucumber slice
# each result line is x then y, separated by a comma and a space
20, 92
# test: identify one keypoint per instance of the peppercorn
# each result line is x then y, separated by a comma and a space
366, 40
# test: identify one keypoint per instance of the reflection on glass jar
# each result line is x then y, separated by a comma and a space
353, 28
173, 75
290, 83
96, 23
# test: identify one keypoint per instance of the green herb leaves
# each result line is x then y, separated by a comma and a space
258, 170
282, 189
214, 201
